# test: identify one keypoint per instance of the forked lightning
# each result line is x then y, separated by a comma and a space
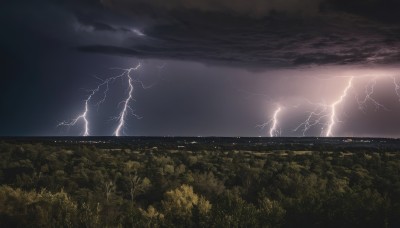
273, 123
327, 116
104, 86
333, 115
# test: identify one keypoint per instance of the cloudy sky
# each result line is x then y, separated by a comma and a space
213, 67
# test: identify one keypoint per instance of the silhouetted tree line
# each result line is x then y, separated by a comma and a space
84, 186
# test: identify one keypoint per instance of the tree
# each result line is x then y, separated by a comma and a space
271, 212
137, 185
178, 205
19, 208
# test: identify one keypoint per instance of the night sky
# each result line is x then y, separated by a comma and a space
214, 67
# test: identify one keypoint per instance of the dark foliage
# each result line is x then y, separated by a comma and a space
44, 185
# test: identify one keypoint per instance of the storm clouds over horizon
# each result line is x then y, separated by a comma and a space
216, 53
250, 34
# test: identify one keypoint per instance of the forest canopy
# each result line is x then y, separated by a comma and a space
78, 185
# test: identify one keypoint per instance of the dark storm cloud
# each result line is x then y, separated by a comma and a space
382, 10
253, 8
241, 33
252, 34
97, 26
385, 10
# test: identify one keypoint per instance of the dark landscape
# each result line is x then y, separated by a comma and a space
199, 182
92, 93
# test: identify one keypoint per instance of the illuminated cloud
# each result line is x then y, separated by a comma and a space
283, 34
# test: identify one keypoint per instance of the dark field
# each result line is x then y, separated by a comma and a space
199, 182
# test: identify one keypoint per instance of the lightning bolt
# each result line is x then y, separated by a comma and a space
273, 122
314, 118
333, 118
83, 115
323, 114
126, 102
369, 90
106, 85
396, 87
273, 131
326, 115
